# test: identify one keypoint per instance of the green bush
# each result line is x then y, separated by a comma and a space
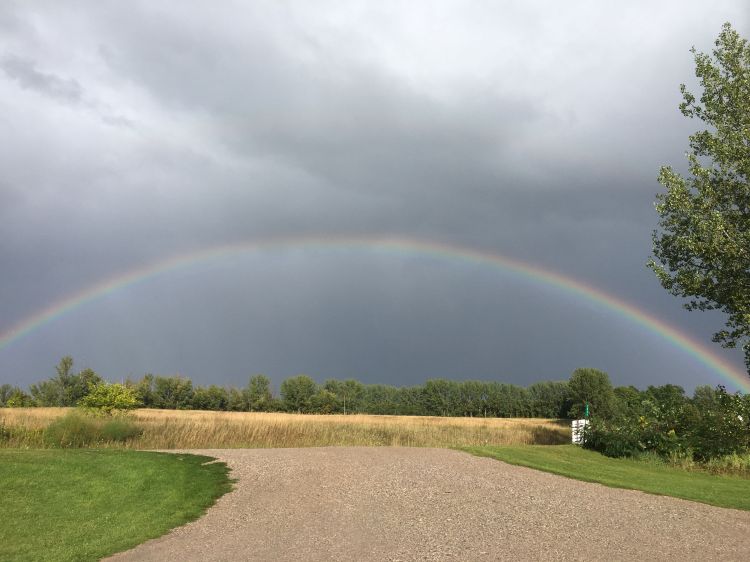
71, 430
613, 440
677, 429
120, 429
76, 429
4, 431
106, 398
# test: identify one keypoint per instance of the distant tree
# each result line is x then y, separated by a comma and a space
65, 389
14, 397
236, 401
703, 250
668, 396
144, 389
258, 393
379, 399
19, 399
348, 394
628, 400
440, 397
410, 401
46, 393
323, 402
5, 392
508, 400
210, 398
549, 399
670, 405
175, 393
297, 392
471, 399
80, 385
592, 387
705, 397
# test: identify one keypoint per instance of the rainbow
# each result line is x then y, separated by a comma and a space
398, 246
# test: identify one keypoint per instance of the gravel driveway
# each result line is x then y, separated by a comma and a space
357, 503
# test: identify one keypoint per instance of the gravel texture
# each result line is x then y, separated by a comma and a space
399, 504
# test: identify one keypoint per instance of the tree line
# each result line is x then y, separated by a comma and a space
301, 393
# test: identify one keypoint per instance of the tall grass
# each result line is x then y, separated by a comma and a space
175, 429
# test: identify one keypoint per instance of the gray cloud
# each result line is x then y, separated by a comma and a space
28, 77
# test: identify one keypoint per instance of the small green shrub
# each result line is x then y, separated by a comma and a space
729, 464
105, 398
71, 430
120, 429
613, 440
76, 429
4, 431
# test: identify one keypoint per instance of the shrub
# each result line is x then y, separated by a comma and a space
677, 429
4, 431
105, 398
72, 430
76, 429
612, 440
120, 429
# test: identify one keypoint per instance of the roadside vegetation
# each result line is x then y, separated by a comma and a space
652, 476
79, 505
709, 431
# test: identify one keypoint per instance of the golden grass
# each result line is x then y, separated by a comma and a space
175, 429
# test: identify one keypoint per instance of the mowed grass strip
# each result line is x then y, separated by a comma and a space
86, 504
574, 462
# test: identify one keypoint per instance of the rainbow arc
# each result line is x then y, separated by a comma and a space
399, 246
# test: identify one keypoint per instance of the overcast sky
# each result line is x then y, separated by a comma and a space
135, 131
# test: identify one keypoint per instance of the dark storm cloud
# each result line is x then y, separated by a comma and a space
529, 129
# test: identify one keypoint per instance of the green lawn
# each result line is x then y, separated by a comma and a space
581, 464
85, 504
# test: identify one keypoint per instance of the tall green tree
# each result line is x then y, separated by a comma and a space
702, 252
67, 388
592, 387
348, 394
297, 393
173, 393
549, 399
258, 393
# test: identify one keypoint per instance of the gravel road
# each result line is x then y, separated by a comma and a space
399, 504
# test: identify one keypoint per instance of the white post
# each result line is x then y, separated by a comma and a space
576, 432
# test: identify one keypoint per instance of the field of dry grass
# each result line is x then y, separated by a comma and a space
174, 429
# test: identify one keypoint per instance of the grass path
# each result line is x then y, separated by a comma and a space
85, 504
578, 463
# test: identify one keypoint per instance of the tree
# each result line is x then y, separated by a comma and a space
549, 399
348, 394
592, 387
13, 397
210, 398
628, 400
173, 393
258, 393
703, 250
323, 402
5, 392
296, 392
236, 400
67, 388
